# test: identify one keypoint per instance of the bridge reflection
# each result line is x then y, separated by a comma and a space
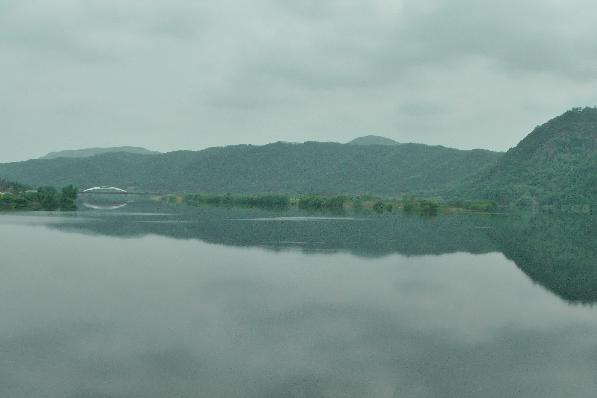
111, 198
113, 206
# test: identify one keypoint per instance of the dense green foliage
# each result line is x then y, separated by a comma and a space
296, 169
317, 202
261, 201
421, 206
407, 204
555, 165
45, 198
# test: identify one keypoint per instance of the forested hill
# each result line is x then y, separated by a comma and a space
312, 167
556, 164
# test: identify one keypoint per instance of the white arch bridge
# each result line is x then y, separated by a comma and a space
113, 191
104, 190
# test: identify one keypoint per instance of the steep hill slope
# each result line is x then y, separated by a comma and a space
312, 167
556, 164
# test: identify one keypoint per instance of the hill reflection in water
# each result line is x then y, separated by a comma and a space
558, 252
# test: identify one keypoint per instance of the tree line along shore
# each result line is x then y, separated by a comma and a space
406, 204
15, 196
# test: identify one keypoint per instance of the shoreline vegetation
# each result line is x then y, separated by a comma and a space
421, 206
15, 196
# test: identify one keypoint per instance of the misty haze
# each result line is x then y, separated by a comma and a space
386, 198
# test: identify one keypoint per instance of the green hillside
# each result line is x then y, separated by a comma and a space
556, 164
312, 167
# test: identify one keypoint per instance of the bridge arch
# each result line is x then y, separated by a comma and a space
104, 189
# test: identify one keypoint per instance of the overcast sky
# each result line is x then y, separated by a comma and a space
180, 74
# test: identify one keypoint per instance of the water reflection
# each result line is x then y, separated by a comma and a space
557, 251
111, 206
160, 301
105, 201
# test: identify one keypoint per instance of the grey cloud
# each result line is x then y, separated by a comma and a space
531, 35
179, 74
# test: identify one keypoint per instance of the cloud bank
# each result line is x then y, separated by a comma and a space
176, 74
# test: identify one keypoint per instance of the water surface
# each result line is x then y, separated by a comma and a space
161, 301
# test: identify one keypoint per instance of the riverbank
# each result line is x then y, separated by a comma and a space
423, 206
44, 198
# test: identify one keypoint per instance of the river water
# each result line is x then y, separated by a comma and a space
152, 300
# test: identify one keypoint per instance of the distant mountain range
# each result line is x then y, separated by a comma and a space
311, 167
373, 140
555, 164
85, 153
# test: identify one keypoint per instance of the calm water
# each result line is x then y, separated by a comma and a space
147, 301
